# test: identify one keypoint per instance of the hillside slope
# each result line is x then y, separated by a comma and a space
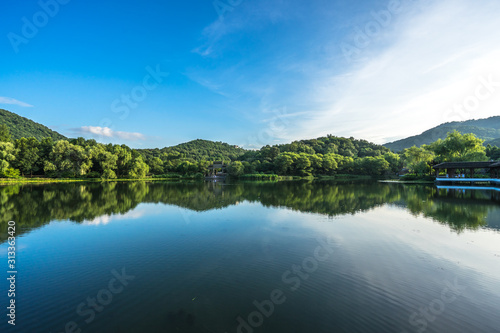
199, 150
486, 129
23, 127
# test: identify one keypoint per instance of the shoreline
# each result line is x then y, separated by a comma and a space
264, 177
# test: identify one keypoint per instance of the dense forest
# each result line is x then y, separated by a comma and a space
325, 156
198, 150
21, 127
87, 158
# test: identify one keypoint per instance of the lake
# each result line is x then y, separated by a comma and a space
298, 256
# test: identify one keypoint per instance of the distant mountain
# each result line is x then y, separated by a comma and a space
486, 129
199, 150
495, 142
23, 127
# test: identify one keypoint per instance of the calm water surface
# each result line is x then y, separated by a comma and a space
252, 257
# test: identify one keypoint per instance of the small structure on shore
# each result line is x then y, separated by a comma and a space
457, 173
217, 170
460, 169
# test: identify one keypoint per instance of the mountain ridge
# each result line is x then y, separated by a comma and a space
23, 127
487, 129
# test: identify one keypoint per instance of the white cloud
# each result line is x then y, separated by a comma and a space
109, 133
430, 62
12, 101
409, 78
105, 219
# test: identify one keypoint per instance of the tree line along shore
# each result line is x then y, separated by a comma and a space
329, 156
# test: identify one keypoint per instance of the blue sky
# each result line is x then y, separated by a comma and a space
251, 73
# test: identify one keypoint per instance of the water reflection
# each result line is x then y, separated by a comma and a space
33, 206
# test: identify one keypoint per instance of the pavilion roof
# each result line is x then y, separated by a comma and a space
465, 165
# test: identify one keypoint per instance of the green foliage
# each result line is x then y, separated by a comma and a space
108, 174
493, 152
326, 156
236, 169
21, 127
70, 160
418, 160
7, 157
137, 168
459, 147
197, 150
5, 133
86, 202
10, 173
27, 155
485, 129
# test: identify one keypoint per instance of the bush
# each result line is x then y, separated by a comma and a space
168, 175
11, 173
93, 174
108, 174
411, 177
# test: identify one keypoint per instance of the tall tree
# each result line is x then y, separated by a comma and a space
7, 157
460, 147
236, 169
69, 159
4, 133
27, 155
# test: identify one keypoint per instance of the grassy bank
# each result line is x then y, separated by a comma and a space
7, 181
175, 177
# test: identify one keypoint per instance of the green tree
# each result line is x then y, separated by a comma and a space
7, 157
394, 161
493, 152
460, 147
27, 155
156, 166
5, 133
303, 165
69, 160
329, 164
283, 163
236, 169
124, 159
416, 157
137, 168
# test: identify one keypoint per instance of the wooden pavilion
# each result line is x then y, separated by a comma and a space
460, 169
459, 172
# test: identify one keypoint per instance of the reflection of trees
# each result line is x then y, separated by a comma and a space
35, 205
458, 209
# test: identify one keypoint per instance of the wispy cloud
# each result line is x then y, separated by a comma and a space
430, 57
12, 101
109, 133
105, 219
247, 16
431, 61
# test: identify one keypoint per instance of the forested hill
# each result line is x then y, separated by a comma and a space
330, 144
486, 129
20, 127
198, 150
